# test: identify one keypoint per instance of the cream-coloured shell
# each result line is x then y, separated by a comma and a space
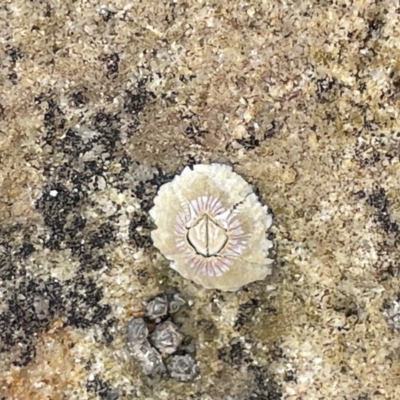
212, 227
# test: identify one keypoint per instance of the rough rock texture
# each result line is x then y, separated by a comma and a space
102, 103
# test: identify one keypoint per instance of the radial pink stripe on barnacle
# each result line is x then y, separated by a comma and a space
212, 227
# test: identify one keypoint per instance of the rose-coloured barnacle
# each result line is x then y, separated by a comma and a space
136, 330
392, 314
166, 337
175, 303
148, 357
183, 368
212, 227
157, 308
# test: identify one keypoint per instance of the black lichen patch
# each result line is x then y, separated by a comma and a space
135, 101
102, 236
261, 384
7, 269
89, 247
14, 249
146, 191
290, 376
255, 139
250, 142
235, 354
13, 77
71, 145
247, 311
366, 155
375, 27
56, 203
31, 306
25, 250
378, 200
266, 388
108, 126
139, 230
53, 118
112, 63
388, 264
78, 99
81, 303
14, 53
77, 167
29, 309
326, 89
193, 129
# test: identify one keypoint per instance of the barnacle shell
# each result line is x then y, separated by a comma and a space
148, 357
183, 368
175, 303
212, 227
136, 330
166, 338
158, 307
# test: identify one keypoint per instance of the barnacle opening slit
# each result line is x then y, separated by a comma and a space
207, 237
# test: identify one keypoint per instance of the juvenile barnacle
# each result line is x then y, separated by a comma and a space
166, 338
148, 357
157, 308
212, 227
175, 303
183, 368
136, 330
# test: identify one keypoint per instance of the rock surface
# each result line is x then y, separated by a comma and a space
102, 103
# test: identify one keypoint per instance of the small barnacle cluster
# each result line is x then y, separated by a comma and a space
153, 340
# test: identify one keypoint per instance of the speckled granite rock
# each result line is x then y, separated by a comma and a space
102, 104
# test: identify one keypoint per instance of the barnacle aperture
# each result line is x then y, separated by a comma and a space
212, 227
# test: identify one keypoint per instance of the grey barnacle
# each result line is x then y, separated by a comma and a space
183, 368
175, 303
148, 357
139, 347
157, 308
136, 330
166, 337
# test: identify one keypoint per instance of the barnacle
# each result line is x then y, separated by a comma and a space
166, 338
148, 357
150, 349
136, 330
183, 368
212, 227
158, 307
175, 303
